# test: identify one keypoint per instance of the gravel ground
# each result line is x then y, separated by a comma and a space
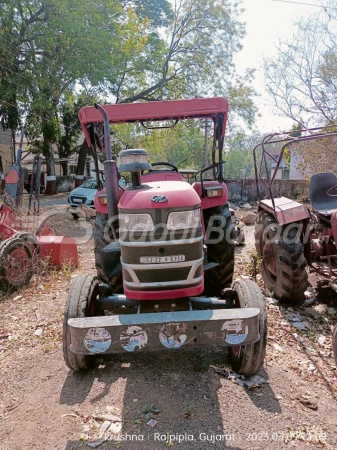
43, 405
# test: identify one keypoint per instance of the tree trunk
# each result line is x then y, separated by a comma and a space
51, 188
64, 165
82, 158
13, 146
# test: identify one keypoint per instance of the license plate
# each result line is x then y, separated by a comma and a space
77, 200
161, 259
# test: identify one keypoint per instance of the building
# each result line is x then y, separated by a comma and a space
6, 152
282, 171
7, 158
288, 171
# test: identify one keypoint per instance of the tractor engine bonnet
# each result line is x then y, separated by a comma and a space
160, 263
175, 194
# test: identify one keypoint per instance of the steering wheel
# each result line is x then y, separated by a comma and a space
330, 191
173, 168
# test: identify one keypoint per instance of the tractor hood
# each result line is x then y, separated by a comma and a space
160, 194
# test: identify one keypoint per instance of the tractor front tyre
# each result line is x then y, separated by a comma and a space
334, 342
80, 303
221, 251
248, 359
16, 267
283, 263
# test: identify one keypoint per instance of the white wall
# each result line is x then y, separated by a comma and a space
294, 173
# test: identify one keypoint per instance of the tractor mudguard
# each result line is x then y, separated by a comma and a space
153, 331
211, 202
286, 210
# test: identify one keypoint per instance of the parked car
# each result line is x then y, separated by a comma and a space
85, 194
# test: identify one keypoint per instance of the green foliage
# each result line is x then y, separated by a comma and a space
296, 127
182, 145
57, 55
239, 155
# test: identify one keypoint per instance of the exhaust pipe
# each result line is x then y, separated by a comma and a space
110, 169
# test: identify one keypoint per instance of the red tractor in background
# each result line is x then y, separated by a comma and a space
164, 253
289, 236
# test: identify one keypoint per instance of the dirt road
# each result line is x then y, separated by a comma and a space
45, 406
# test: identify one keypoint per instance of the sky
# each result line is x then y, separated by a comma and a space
266, 22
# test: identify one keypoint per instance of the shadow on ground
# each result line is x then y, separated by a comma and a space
183, 387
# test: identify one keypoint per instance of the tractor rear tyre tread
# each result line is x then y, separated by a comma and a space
249, 359
291, 278
222, 253
81, 291
100, 243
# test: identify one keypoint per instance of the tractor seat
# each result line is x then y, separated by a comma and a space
323, 194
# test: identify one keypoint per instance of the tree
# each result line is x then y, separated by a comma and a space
195, 59
315, 156
57, 48
239, 154
302, 80
181, 145
49, 47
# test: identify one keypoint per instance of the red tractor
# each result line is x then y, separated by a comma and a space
164, 253
288, 235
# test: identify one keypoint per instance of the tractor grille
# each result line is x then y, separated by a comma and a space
149, 277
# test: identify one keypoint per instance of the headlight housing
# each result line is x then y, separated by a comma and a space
135, 222
184, 220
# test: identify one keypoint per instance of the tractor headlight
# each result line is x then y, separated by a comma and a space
184, 220
135, 222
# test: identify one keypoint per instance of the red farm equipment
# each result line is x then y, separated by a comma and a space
288, 235
23, 241
20, 250
164, 253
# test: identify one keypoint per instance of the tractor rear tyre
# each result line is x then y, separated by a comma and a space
100, 242
16, 268
283, 263
80, 303
221, 253
248, 359
334, 342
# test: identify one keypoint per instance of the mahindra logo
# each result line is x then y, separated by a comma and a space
159, 199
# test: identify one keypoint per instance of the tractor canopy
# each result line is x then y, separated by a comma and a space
215, 108
157, 111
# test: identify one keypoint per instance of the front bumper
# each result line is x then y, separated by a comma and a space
154, 331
